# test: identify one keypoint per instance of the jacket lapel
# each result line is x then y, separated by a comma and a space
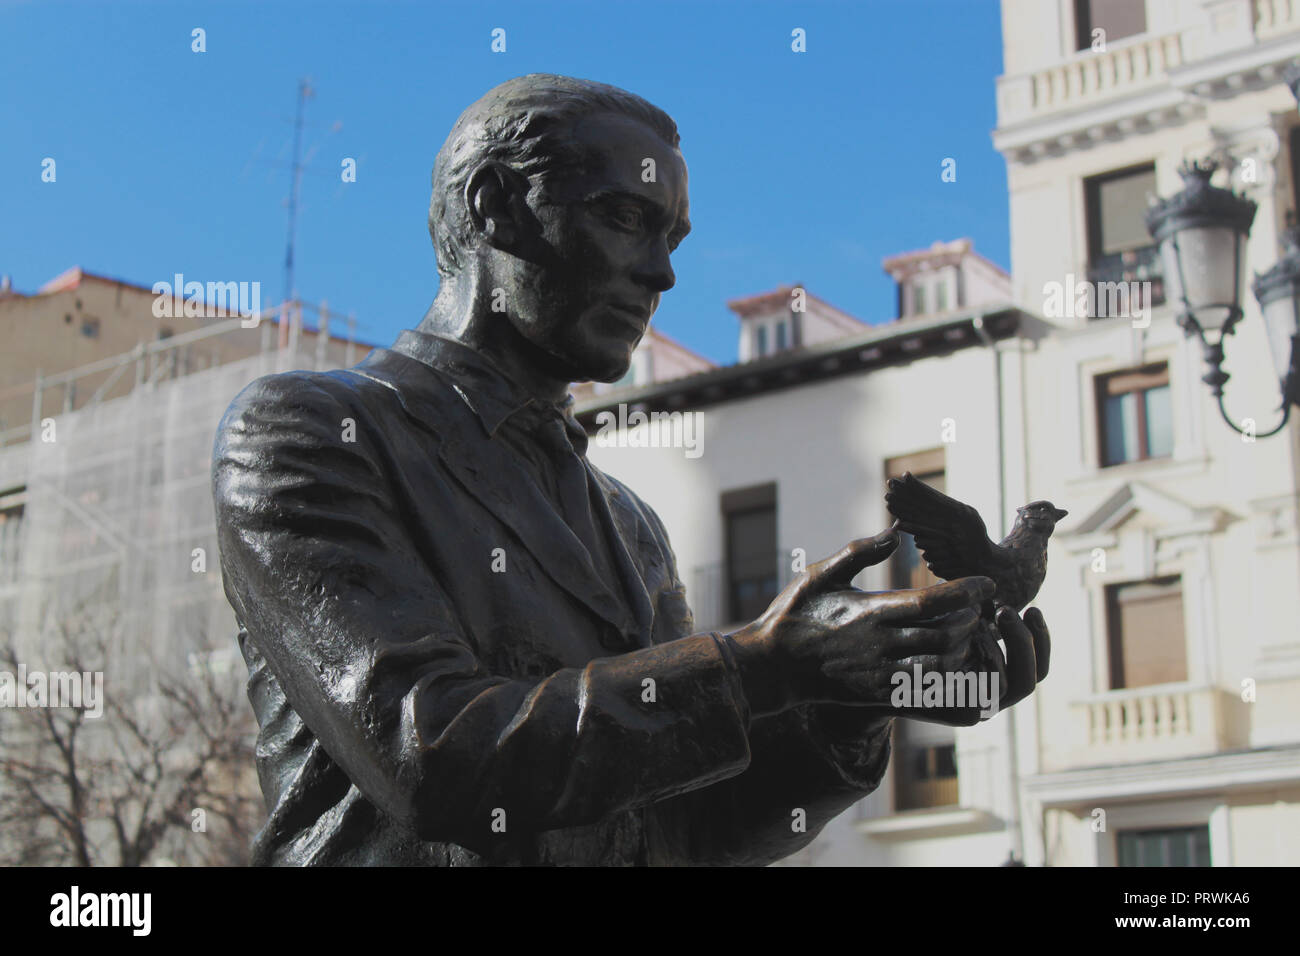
624, 528
489, 472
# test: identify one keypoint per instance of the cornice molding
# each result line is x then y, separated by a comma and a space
1242, 770
1181, 98
898, 342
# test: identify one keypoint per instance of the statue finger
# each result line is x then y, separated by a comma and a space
1042, 639
1021, 669
840, 569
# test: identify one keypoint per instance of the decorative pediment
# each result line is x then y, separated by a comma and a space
1136, 505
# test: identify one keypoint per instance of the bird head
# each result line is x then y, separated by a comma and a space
1039, 516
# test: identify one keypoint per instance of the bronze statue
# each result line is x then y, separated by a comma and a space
466, 644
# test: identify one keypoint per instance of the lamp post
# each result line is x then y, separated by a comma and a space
1278, 293
1201, 233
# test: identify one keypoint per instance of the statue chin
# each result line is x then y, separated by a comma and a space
591, 367
603, 372
612, 376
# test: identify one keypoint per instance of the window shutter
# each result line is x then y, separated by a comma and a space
1148, 643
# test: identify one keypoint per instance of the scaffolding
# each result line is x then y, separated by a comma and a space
111, 504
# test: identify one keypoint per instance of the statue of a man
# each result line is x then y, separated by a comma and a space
466, 644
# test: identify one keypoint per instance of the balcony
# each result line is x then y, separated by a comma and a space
1133, 266
721, 599
1273, 17
935, 807
1089, 77
1160, 722
926, 794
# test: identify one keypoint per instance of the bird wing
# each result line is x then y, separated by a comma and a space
950, 534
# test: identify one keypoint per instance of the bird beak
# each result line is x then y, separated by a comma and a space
1060, 513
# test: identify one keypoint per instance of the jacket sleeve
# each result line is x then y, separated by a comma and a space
808, 765
322, 572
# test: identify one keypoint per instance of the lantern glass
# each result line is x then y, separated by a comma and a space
1205, 272
1280, 320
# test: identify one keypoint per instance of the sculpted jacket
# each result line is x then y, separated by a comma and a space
440, 676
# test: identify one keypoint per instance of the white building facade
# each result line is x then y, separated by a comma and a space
1169, 730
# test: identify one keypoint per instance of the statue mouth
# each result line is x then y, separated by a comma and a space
637, 319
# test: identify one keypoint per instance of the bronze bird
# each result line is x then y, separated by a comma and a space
955, 544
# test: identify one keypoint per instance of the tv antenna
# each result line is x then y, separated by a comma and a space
295, 187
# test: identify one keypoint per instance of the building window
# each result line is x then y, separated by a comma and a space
941, 296
749, 519
1116, 203
1147, 644
629, 377
906, 569
1119, 247
761, 333
925, 765
90, 327
1178, 846
1135, 415
1116, 18
918, 298
780, 336
12, 503
640, 371
1293, 141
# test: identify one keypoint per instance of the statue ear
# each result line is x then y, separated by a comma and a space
496, 198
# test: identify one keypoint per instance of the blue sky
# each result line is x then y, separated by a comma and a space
804, 167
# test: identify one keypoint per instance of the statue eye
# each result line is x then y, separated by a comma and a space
628, 216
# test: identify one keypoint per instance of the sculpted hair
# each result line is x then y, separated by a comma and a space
522, 123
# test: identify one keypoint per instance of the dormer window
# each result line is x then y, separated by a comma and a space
787, 319
947, 276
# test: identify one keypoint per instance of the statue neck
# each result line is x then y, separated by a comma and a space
462, 312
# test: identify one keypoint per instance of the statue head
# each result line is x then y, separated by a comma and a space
558, 201
1039, 516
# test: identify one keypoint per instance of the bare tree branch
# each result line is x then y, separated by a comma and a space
122, 790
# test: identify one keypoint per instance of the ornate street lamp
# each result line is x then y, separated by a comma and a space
1201, 233
1278, 293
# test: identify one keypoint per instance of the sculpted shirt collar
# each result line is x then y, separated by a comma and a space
481, 385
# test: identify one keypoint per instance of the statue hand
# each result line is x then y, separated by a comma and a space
1025, 664
824, 641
